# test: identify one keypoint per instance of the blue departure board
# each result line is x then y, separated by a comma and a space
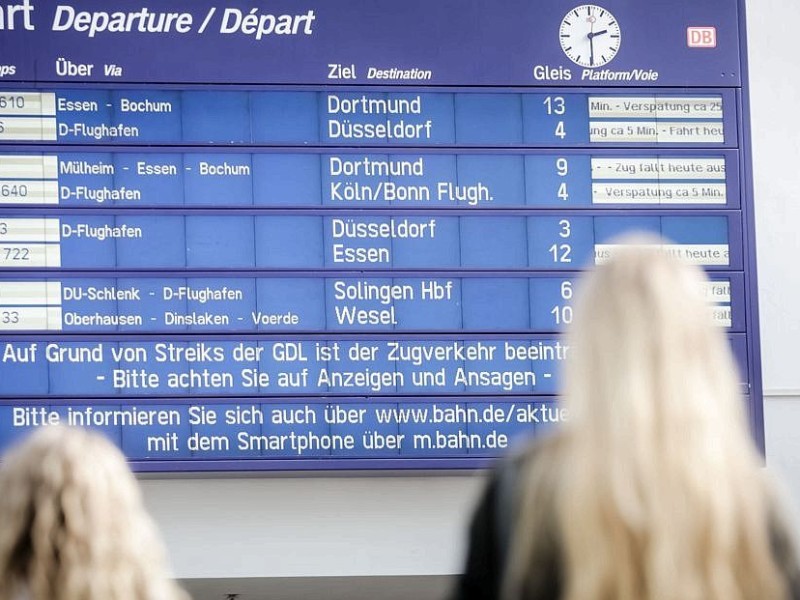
347, 234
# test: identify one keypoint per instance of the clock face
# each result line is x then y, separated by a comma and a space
590, 35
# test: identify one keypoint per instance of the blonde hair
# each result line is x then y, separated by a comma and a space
73, 523
658, 491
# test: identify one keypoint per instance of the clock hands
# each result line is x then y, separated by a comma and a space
591, 36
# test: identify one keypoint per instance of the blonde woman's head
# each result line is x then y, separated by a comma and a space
659, 492
73, 523
648, 367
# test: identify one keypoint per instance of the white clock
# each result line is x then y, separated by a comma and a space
590, 36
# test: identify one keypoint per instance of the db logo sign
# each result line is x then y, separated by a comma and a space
701, 37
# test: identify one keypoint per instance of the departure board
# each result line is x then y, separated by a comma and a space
274, 235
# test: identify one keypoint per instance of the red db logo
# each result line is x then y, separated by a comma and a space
701, 37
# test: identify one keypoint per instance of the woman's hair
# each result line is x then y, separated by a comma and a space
658, 491
72, 523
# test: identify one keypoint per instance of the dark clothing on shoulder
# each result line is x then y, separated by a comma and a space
491, 534
483, 571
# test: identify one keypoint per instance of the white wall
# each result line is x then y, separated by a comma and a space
775, 96
313, 526
294, 527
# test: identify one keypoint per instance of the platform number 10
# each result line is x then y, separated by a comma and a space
555, 105
563, 313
